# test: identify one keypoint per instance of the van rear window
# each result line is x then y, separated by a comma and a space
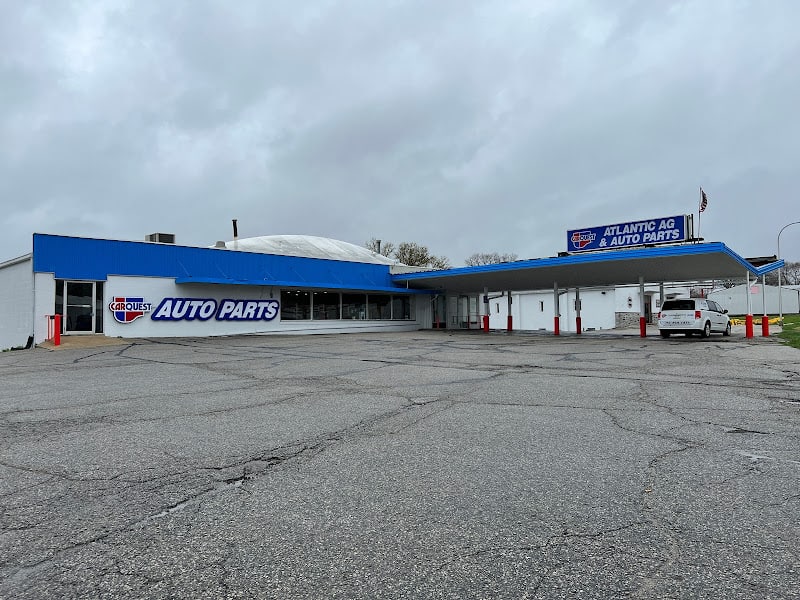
678, 305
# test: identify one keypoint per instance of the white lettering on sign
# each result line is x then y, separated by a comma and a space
203, 309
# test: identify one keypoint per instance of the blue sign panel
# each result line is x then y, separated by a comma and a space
202, 309
666, 230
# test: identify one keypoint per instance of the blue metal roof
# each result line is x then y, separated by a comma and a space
96, 259
687, 262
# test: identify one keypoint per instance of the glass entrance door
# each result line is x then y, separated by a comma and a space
79, 303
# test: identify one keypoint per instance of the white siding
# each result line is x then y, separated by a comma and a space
735, 299
534, 310
44, 304
16, 299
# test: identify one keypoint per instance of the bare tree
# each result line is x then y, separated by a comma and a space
379, 247
729, 283
790, 275
439, 262
409, 253
488, 258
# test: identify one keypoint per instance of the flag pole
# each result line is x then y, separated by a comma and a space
699, 210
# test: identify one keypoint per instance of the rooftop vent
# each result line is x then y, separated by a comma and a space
161, 238
220, 244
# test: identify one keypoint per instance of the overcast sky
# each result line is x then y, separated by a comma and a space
464, 126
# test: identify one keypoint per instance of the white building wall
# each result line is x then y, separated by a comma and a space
44, 304
534, 310
16, 298
735, 299
601, 308
597, 310
154, 289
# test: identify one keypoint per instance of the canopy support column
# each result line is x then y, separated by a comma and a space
509, 327
556, 314
764, 317
748, 320
642, 313
486, 310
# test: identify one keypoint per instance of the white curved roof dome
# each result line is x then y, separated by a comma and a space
309, 246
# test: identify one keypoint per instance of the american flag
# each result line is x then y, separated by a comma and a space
703, 200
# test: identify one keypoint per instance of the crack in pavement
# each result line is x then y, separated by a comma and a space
301, 451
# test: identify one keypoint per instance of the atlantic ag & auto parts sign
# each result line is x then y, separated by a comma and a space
665, 230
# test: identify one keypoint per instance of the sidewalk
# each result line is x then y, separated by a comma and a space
69, 342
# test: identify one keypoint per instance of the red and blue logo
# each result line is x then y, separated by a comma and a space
127, 310
581, 239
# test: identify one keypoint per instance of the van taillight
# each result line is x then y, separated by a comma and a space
659, 315
697, 314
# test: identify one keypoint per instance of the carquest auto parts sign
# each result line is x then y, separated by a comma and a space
197, 309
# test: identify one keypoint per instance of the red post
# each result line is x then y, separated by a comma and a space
578, 325
642, 327
486, 323
556, 329
508, 325
765, 326
57, 331
748, 326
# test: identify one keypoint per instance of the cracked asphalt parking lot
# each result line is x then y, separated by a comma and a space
410, 465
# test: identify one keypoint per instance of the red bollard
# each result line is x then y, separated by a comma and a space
486, 323
578, 325
642, 327
508, 325
556, 328
57, 331
748, 326
765, 326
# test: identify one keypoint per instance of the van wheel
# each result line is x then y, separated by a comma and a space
707, 329
665, 334
727, 330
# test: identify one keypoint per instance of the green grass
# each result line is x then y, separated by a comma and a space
791, 330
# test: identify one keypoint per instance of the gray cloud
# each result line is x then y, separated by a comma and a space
465, 127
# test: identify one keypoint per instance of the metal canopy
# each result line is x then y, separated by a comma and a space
689, 262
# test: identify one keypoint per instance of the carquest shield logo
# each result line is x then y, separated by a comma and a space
127, 309
581, 239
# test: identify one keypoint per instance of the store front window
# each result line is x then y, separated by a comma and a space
323, 306
327, 305
295, 305
402, 308
379, 306
354, 306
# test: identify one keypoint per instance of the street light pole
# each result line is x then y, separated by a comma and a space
780, 293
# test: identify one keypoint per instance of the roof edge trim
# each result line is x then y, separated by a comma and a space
15, 261
769, 268
608, 255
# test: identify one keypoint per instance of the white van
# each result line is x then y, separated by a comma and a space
693, 315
